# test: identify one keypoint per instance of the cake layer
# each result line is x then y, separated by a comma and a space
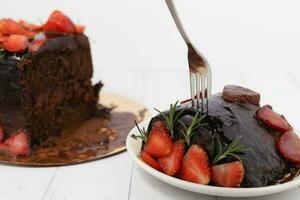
48, 90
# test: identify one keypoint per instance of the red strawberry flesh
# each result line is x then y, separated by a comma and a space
195, 166
289, 147
18, 143
172, 163
228, 174
9, 27
159, 143
273, 119
15, 43
150, 161
58, 22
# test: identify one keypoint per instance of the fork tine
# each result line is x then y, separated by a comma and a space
192, 87
198, 88
202, 92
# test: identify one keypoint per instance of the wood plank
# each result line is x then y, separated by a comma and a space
24, 182
104, 179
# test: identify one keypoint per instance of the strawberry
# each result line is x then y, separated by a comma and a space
150, 161
18, 143
1, 134
289, 147
15, 43
172, 163
159, 143
36, 44
9, 26
273, 119
30, 27
228, 174
195, 166
79, 28
58, 22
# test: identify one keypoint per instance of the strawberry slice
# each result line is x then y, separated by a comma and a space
195, 166
150, 161
18, 144
36, 44
159, 143
79, 28
15, 43
289, 147
273, 119
58, 22
172, 163
228, 174
29, 26
9, 26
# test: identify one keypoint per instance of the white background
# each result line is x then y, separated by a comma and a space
138, 53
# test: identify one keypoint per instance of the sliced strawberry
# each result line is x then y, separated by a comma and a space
150, 161
79, 28
1, 133
234, 93
29, 26
36, 44
228, 174
15, 43
58, 22
2, 37
195, 166
159, 143
9, 26
273, 119
172, 163
289, 147
3, 146
18, 143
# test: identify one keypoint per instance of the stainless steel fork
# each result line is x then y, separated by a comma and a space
200, 72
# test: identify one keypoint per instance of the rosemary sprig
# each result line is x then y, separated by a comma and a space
188, 132
143, 133
232, 150
172, 118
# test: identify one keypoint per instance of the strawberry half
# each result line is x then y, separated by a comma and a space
150, 161
15, 43
159, 143
172, 163
273, 119
228, 174
18, 144
58, 22
9, 26
195, 166
289, 147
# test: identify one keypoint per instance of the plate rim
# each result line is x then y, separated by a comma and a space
198, 188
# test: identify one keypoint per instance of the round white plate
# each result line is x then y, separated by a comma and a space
134, 147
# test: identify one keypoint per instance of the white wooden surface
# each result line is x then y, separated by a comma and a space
138, 53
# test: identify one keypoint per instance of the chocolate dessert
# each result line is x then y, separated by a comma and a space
236, 143
45, 78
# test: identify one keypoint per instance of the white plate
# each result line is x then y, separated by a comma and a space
134, 147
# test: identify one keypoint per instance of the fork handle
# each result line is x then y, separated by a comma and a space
177, 21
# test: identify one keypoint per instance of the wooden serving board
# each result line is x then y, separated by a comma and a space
93, 139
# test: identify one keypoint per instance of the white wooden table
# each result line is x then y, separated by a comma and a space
239, 38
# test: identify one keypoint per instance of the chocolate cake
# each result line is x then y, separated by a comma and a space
234, 114
46, 89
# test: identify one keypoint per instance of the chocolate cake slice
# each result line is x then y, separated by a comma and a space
48, 90
45, 78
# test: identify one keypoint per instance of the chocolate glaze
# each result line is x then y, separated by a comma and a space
263, 164
48, 90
